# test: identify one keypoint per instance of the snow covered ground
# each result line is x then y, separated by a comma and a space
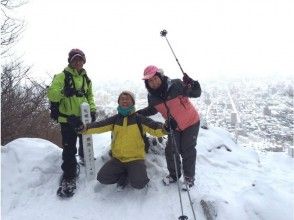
239, 183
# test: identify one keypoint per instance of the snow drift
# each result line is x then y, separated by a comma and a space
236, 183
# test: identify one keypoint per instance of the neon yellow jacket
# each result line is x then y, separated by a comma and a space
71, 105
127, 142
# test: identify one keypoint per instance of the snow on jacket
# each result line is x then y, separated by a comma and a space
175, 102
127, 143
71, 105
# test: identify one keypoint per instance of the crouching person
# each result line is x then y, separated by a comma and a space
127, 164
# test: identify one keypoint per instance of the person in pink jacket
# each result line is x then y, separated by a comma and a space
170, 97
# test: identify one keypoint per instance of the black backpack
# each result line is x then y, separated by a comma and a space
69, 90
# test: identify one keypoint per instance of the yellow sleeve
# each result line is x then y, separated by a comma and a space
152, 127
100, 126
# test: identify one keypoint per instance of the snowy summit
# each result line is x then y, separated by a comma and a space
232, 182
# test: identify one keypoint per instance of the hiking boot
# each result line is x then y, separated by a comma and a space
69, 184
168, 180
189, 181
67, 187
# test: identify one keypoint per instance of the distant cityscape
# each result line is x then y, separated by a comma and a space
255, 112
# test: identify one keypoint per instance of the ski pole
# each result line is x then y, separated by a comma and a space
190, 200
176, 152
163, 33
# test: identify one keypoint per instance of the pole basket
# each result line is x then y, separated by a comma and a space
183, 217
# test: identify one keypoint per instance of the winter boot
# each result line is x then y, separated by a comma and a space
67, 187
168, 180
188, 183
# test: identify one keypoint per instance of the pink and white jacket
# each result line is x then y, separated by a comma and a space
174, 100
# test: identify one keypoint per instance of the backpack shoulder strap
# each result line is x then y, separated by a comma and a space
88, 81
139, 122
68, 80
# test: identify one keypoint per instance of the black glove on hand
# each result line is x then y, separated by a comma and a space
187, 80
54, 110
81, 128
93, 116
75, 122
170, 124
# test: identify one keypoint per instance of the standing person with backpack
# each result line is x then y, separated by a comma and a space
170, 97
127, 164
69, 89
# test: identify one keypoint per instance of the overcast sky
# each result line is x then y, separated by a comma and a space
120, 38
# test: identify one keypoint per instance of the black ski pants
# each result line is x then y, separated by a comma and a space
186, 141
115, 171
69, 140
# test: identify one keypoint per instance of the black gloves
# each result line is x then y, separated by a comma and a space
54, 110
75, 122
190, 83
93, 116
187, 80
170, 124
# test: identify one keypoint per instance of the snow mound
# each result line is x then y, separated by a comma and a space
232, 182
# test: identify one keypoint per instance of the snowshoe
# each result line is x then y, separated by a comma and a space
67, 187
168, 180
188, 183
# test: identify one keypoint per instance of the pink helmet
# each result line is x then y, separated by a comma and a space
150, 71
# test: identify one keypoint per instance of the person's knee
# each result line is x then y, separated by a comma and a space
189, 152
101, 178
139, 183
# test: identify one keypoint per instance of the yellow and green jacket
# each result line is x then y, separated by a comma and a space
127, 143
70, 105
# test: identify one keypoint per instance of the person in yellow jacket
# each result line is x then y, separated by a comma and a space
127, 164
69, 89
